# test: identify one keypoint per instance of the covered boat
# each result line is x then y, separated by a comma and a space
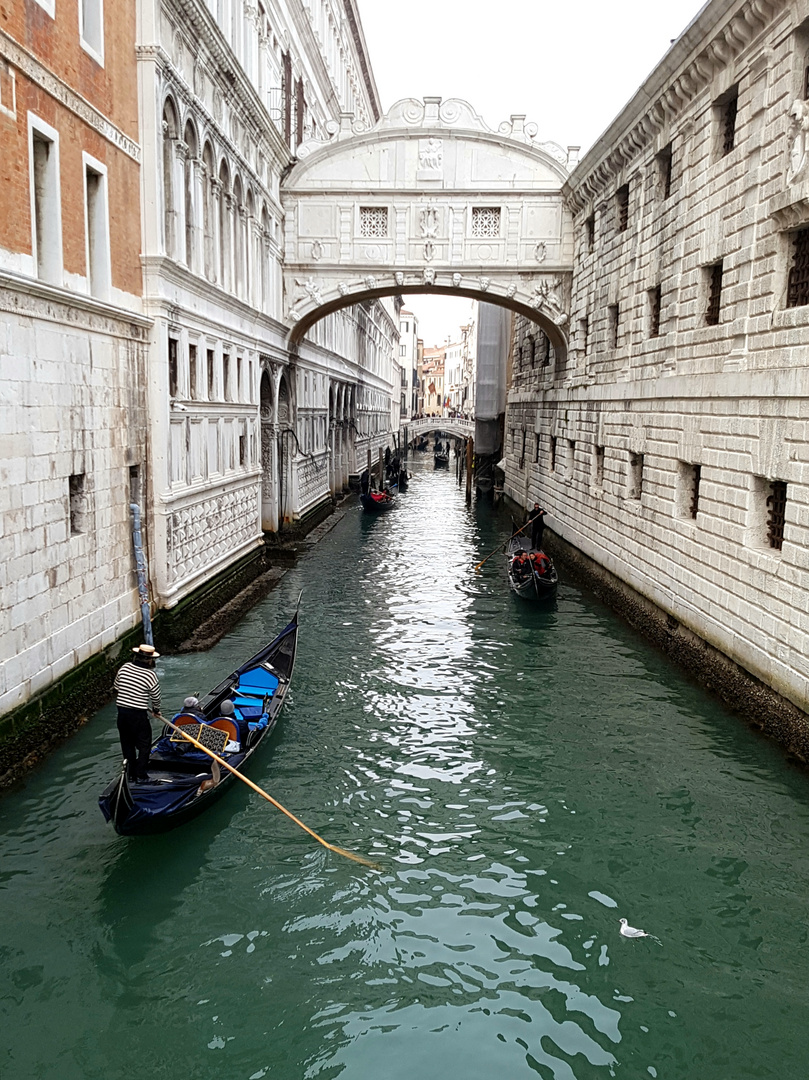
376, 502
182, 780
530, 584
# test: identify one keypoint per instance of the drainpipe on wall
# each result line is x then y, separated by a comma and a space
140, 567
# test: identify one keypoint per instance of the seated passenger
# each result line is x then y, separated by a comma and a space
520, 567
540, 562
191, 707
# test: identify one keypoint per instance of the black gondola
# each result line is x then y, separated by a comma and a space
183, 781
533, 586
377, 502
441, 460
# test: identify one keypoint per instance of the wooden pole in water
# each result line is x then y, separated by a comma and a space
470, 447
381, 468
370, 475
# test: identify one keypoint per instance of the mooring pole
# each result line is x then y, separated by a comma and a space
470, 446
142, 575
380, 484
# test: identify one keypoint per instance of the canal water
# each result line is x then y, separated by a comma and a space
524, 777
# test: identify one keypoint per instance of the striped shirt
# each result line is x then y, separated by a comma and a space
137, 687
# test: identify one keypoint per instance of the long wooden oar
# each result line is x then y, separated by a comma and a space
269, 798
499, 546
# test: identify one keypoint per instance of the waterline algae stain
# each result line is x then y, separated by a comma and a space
524, 776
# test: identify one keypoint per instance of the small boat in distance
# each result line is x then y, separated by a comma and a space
529, 583
440, 460
377, 502
182, 780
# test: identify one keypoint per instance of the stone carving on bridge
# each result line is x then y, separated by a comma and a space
428, 275
456, 280
317, 251
541, 252
429, 250
484, 283
546, 297
428, 223
398, 277
799, 146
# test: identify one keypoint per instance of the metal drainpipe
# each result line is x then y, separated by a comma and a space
140, 567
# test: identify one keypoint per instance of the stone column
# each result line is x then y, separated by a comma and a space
197, 229
178, 178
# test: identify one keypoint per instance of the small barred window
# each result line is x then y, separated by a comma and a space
485, 221
798, 280
373, 221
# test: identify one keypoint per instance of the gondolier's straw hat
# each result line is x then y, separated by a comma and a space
148, 651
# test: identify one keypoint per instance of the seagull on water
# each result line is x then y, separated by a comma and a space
630, 931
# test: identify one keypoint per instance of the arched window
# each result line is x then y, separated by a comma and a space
169, 207
190, 201
238, 238
224, 227
208, 179
265, 259
250, 252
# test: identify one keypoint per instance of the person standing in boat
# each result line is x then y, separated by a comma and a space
137, 690
537, 519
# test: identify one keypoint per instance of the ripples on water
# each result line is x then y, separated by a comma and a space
524, 776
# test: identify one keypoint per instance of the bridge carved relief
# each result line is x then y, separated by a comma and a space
429, 199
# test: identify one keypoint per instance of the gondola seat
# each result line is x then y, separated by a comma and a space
224, 723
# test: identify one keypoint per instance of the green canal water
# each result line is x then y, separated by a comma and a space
525, 778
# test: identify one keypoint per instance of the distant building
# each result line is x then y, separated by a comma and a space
409, 359
432, 380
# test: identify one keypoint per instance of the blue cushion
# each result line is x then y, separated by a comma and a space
257, 681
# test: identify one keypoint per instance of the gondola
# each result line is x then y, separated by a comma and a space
376, 502
537, 586
441, 461
182, 780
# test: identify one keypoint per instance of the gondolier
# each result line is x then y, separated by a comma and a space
137, 690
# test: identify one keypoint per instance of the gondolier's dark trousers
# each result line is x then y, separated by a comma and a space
135, 733
537, 529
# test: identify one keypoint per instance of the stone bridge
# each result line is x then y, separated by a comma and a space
456, 427
428, 200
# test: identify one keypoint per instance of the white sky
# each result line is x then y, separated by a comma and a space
569, 65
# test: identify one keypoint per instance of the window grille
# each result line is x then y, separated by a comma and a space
622, 207
485, 221
696, 475
614, 313
798, 281
806, 83
373, 221
728, 113
635, 476
546, 350
776, 505
75, 486
536, 449
599, 466
590, 232
522, 451
584, 325
714, 295
553, 454
664, 159
654, 312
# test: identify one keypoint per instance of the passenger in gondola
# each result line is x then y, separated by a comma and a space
191, 708
520, 567
540, 562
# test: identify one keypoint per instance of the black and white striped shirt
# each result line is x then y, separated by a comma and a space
137, 687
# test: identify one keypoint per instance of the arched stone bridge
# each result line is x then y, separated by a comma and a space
429, 199
456, 427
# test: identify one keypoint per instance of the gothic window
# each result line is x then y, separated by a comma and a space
188, 185
373, 221
798, 280
209, 264
712, 311
169, 215
485, 221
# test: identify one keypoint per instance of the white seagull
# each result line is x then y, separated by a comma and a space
630, 931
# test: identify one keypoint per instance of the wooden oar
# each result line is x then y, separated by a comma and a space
269, 798
499, 546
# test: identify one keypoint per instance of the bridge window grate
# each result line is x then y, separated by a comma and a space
714, 294
664, 159
777, 506
552, 461
373, 221
485, 221
798, 281
727, 108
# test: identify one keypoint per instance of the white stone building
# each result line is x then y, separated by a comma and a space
409, 360
672, 447
246, 435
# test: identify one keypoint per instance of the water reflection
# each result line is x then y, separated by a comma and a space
526, 776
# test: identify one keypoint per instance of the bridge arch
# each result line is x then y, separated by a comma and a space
428, 199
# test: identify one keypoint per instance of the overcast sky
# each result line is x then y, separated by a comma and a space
569, 65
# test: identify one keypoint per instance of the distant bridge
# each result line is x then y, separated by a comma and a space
448, 426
